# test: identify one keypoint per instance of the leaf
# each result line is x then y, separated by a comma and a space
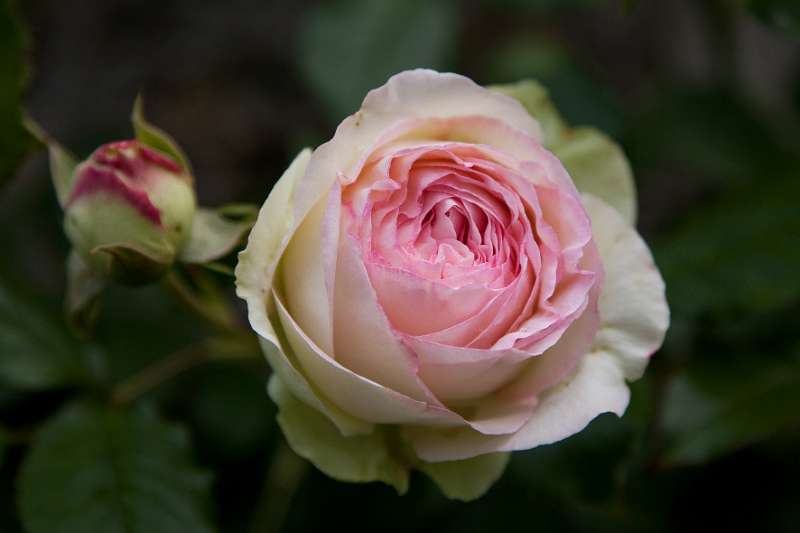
15, 141
83, 290
156, 138
468, 479
741, 251
351, 47
703, 425
214, 235
360, 458
36, 351
96, 469
781, 14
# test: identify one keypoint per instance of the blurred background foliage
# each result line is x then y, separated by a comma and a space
704, 95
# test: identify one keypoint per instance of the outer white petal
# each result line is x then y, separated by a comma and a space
265, 245
411, 94
254, 277
597, 387
633, 309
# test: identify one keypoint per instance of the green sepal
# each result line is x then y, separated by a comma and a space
358, 458
467, 479
216, 232
82, 303
132, 265
156, 138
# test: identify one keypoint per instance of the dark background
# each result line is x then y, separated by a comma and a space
704, 96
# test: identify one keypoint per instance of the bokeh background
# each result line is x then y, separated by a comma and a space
704, 96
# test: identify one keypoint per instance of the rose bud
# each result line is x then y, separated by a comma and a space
129, 211
448, 280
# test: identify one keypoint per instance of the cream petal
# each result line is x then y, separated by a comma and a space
265, 245
365, 342
633, 308
355, 394
307, 270
597, 387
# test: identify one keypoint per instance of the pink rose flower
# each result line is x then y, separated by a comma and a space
431, 287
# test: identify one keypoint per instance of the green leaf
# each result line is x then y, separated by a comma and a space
36, 351
741, 251
351, 47
215, 235
782, 14
15, 140
703, 425
96, 469
155, 137
360, 458
468, 479
83, 290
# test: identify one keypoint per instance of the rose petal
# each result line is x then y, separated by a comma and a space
633, 309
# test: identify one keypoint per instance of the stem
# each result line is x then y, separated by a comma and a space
162, 370
189, 298
284, 476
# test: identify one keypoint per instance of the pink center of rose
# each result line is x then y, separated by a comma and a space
465, 246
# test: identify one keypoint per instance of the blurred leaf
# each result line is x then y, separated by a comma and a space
468, 479
782, 14
577, 96
360, 458
741, 251
710, 133
15, 141
629, 6
95, 469
216, 391
753, 405
36, 351
214, 235
353, 46
538, 6
155, 137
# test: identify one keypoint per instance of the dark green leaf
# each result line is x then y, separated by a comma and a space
703, 424
15, 141
782, 14
96, 469
742, 252
36, 351
354, 46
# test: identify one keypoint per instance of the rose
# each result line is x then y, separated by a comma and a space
129, 210
431, 288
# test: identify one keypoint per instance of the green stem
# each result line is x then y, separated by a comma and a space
284, 476
162, 370
223, 321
